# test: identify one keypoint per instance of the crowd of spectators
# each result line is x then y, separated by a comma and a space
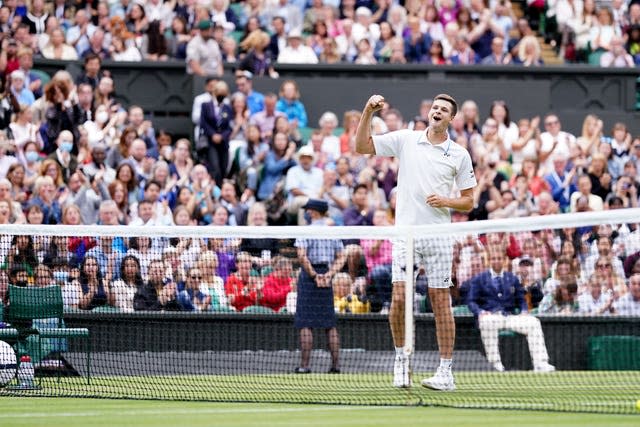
257, 34
71, 154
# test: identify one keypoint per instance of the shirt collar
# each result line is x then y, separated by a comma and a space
443, 145
494, 274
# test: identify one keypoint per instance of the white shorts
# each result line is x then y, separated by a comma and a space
435, 254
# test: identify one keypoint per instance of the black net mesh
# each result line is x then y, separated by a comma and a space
544, 318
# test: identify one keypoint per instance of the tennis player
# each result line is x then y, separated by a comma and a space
430, 164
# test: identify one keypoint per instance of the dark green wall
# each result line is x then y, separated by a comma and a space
566, 337
166, 92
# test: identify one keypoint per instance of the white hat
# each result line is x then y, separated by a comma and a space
307, 150
363, 11
17, 74
295, 33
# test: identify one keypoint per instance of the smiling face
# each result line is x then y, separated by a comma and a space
440, 115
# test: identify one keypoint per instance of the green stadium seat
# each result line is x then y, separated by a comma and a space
461, 310
613, 353
44, 77
33, 306
305, 134
258, 309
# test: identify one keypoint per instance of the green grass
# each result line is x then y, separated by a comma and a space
573, 391
54, 412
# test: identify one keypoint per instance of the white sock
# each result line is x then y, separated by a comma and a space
399, 351
446, 363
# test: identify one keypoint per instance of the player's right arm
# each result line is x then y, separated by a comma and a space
364, 141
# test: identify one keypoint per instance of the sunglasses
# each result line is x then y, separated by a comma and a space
196, 277
603, 265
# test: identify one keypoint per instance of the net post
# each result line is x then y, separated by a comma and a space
408, 297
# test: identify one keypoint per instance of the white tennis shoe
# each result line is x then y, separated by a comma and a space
402, 371
442, 380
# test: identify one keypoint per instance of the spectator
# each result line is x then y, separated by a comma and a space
203, 53
348, 297
67, 162
616, 56
563, 301
561, 182
58, 49
257, 59
629, 304
302, 181
278, 39
277, 284
296, 52
18, 88
96, 46
594, 301
584, 190
191, 297
416, 43
554, 141
462, 52
266, 117
157, 293
497, 301
79, 35
45, 193
377, 253
289, 103
244, 287
177, 38
244, 84
129, 284
61, 115
208, 263
529, 52
359, 213
96, 291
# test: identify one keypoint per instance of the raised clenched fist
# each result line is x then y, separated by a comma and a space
375, 103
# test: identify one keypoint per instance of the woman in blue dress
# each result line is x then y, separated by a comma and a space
320, 260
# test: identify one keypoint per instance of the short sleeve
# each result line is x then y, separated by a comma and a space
390, 144
465, 178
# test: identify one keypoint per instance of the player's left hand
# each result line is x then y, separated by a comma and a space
436, 201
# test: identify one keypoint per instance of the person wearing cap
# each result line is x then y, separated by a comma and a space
497, 300
203, 53
320, 261
23, 95
296, 52
364, 28
430, 163
303, 181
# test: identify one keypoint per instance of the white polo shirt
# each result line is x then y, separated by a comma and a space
425, 169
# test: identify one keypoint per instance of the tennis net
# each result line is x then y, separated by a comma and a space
545, 309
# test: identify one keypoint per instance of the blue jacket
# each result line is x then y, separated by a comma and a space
212, 123
558, 192
293, 110
508, 299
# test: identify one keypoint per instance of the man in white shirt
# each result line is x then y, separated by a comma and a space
629, 304
296, 52
303, 181
584, 190
78, 35
554, 141
594, 302
430, 164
